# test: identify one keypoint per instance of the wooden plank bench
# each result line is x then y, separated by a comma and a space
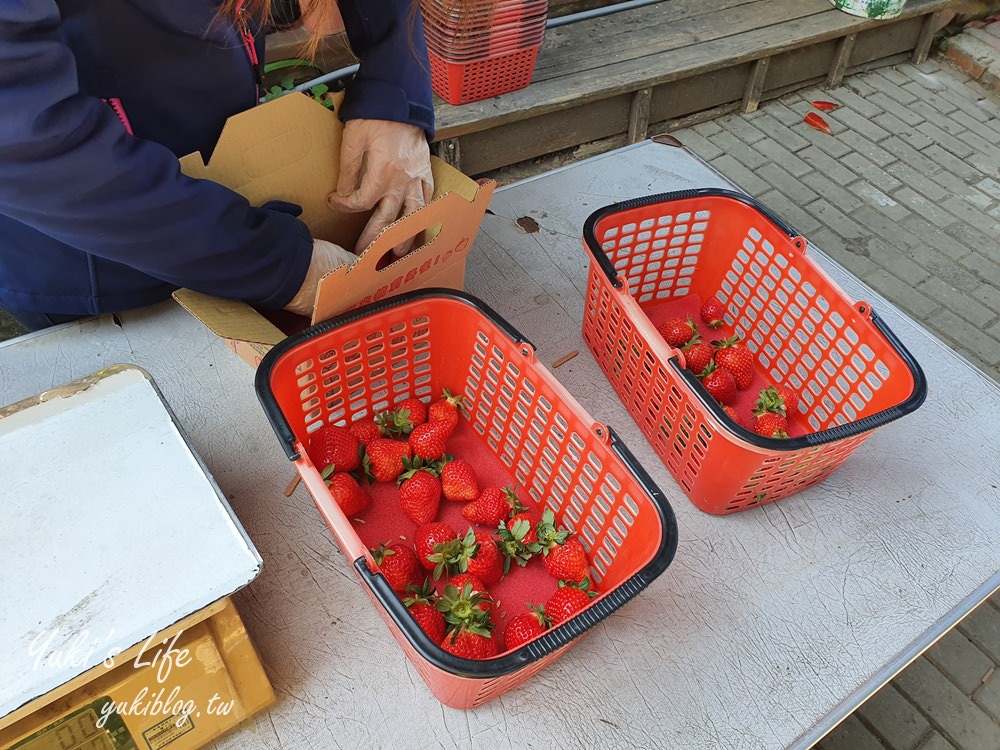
620, 77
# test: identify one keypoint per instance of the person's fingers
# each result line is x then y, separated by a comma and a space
351, 155
368, 194
385, 213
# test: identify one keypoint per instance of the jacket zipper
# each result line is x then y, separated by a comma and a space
249, 47
116, 105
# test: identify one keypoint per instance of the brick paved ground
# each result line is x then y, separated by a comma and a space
906, 195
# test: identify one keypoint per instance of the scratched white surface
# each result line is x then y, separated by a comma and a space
769, 625
110, 531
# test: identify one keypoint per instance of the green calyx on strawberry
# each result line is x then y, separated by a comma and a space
465, 609
698, 353
769, 401
419, 491
513, 544
395, 423
398, 563
452, 556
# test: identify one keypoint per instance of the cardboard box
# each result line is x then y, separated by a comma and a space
288, 149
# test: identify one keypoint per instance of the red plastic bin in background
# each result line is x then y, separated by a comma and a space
417, 344
854, 375
464, 82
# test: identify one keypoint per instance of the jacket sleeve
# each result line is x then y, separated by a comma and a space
69, 170
393, 82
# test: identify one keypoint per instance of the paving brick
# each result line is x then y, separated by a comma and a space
838, 248
897, 127
776, 129
783, 180
871, 171
707, 128
866, 126
738, 149
845, 97
909, 116
790, 211
897, 93
827, 165
959, 96
902, 294
831, 145
928, 79
969, 214
928, 97
841, 197
784, 114
968, 171
960, 661
923, 207
851, 734
977, 126
741, 128
986, 269
955, 714
698, 143
782, 156
978, 314
973, 239
935, 741
861, 85
919, 180
739, 174
982, 627
987, 153
872, 196
859, 143
834, 219
988, 695
957, 146
894, 719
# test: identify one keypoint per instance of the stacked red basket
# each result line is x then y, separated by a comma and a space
482, 48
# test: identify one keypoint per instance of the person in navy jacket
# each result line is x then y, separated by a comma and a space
99, 98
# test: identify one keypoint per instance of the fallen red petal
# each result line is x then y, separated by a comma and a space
815, 121
824, 106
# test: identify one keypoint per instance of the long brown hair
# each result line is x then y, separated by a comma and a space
260, 12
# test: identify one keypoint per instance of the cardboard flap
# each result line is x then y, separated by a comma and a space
229, 319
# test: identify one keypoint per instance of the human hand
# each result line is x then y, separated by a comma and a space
386, 166
325, 258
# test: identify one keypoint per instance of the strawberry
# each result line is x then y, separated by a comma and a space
470, 644
346, 491
517, 539
493, 506
333, 445
458, 480
719, 383
487, 604
445, 410
568, 600
398, 563
789, 396
482, 558
383, 460
469, 623
428, 440
735, 357
419, 491
770, 424
698, 353
731, 413
428, 537
713, 312
421, 605
451, 556
415, 409
394, 424
525, 627
565, 558
365, 430
677, 331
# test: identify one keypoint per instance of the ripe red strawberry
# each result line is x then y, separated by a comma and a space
417, 410
789, 396
482, 558
493, 506
398, 563
428, 440
394, 424
365, 430
567, 601
525, 626
735, 357
677, 331
445, 410
565, 558
333, 445
347, 493
486, 603
427, 538
458, 480
713, 312
719, 383
384, 459
517, 539
770, 424
421, 605
731, 413
469, 644
698, 353
419, 491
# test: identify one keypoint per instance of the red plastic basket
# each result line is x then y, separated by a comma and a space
520, 417
854, 375
461, 83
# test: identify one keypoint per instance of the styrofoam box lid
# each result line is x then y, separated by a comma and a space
111, 530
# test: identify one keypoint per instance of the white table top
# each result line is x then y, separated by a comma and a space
770, 625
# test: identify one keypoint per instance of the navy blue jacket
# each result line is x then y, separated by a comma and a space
95, 220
